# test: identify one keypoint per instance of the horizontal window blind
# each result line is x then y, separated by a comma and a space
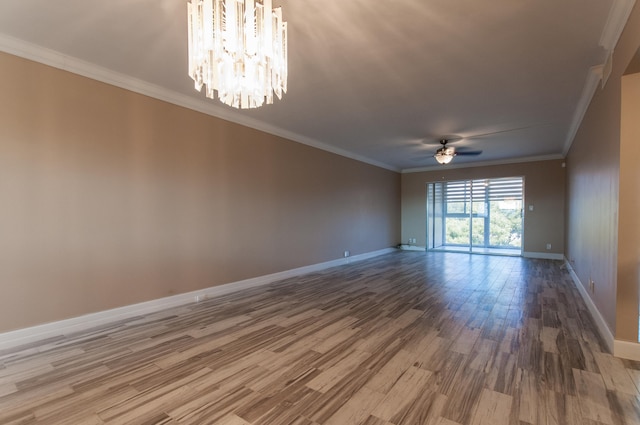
508, 189
504, 189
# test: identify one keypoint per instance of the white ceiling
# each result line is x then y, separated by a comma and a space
373, 80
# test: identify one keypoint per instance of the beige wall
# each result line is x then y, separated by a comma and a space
629, 209
544, 189
594, 196
110, 198
592, 205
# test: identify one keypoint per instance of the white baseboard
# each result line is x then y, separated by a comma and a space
412, 248
624, 349
543, 255
601, 324
92, 320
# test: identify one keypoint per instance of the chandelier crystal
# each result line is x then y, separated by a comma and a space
239, 49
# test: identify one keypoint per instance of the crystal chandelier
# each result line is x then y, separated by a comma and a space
239, 49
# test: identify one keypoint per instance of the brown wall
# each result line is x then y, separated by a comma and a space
629, 210
594, 196
592, 204
110, 198
544, 189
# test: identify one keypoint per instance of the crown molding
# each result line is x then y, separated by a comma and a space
483, 164
77, 66
593, 78
618, 16
616, 21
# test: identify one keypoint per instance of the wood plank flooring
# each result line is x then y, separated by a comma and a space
405, 339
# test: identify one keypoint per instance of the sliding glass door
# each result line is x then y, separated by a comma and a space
483, 215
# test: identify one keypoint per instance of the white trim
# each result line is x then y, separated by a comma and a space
617, 19
601, 324
483, 163
413, 248
216, 109
81, 323
593, 78
607, 67
543, 255
626, 349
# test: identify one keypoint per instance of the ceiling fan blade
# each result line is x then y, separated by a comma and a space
475, 136
456, 138
468, 153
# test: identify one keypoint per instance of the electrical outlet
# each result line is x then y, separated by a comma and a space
548, 246
346, 254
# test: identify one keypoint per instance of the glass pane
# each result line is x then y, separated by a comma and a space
484, 213
506, 224
455, 207
479, 208
478, 231
457, 231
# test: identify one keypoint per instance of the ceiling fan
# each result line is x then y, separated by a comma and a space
445, 154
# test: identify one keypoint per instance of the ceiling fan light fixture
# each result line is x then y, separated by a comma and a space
239, 49
444, 155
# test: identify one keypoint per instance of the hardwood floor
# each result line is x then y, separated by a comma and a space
407, 338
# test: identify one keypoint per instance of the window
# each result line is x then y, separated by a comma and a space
481, 214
